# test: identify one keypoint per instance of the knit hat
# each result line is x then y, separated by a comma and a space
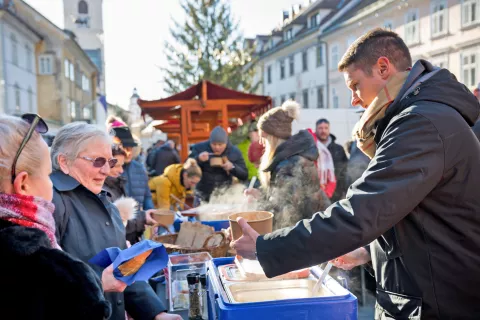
125, 136
219, 135
278, 121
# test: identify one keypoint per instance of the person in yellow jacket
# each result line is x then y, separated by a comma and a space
177, 180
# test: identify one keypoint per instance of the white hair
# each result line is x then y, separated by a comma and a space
12, 132
73, 138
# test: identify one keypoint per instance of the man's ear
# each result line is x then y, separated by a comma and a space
63, 162
20, 184
384, 67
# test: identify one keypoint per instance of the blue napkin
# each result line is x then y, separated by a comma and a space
155, 262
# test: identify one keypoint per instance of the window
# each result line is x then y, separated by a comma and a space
282, 99
319, 55
72, 72
292, 65
45, 63
441, 61
30, 100
334, 98
28, 58
334, 56
96, 57
82, 7
439, 18
305, 60
18, 101
282, 69
269, 74
469, 69
470, 12
78, 75
388, 25
71, 107
315, 20
412, 34
66, 66
320, 104
87, 112
292, 96
305, 98
289, 34
14, 49
85, 83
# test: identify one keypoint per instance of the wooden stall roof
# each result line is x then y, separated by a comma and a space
191, 114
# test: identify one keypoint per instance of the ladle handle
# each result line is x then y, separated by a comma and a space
322, 277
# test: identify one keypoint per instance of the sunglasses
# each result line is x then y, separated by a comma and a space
36, 124
100, 161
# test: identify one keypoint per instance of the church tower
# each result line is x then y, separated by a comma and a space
85, 19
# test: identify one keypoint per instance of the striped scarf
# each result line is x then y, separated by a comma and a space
29, 211
365, 132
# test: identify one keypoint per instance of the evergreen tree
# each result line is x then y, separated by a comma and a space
209, 46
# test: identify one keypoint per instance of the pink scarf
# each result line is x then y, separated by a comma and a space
29, 211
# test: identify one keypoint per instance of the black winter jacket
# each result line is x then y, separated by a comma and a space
164, 157
42, 283
214, 177
294, 192
340, 162
86, 224
417, 204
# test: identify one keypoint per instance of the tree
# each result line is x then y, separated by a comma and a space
207, 46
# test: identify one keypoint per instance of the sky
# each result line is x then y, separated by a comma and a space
135, 31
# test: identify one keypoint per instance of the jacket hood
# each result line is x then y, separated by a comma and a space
301, 144
172, 173
428, 83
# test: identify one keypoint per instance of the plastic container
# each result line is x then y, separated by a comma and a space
342, 305
179, 266
218, 225
260, 221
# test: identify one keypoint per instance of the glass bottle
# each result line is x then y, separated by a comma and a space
203, 295
194, 311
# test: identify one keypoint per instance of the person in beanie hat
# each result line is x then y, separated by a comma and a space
217, 175
290, 183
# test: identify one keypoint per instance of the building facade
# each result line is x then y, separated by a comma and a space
18, 80
66, 77
445, 32
85, 19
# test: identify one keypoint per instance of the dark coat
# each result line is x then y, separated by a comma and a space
115, 188
214, 177
42, 283
137, 184
476, 129
164, 157
340, 162
417, 204
294, 192
86, 224
357, 163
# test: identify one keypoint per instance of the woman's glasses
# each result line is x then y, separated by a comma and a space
36, 124
100, 161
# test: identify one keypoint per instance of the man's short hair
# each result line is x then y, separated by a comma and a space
376, 43
320, 121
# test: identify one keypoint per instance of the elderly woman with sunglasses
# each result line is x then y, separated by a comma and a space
86, 221
38, 279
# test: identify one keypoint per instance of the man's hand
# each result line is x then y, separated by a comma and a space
352, 259
167, 316
227, 166
204, 156
246, 244
110, 283
148, 217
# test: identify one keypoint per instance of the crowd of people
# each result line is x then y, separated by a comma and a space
411, 208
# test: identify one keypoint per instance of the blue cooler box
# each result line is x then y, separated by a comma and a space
341, 306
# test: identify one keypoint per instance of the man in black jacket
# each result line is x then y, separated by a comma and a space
416, 206
217, 176
340, 160
165, 156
